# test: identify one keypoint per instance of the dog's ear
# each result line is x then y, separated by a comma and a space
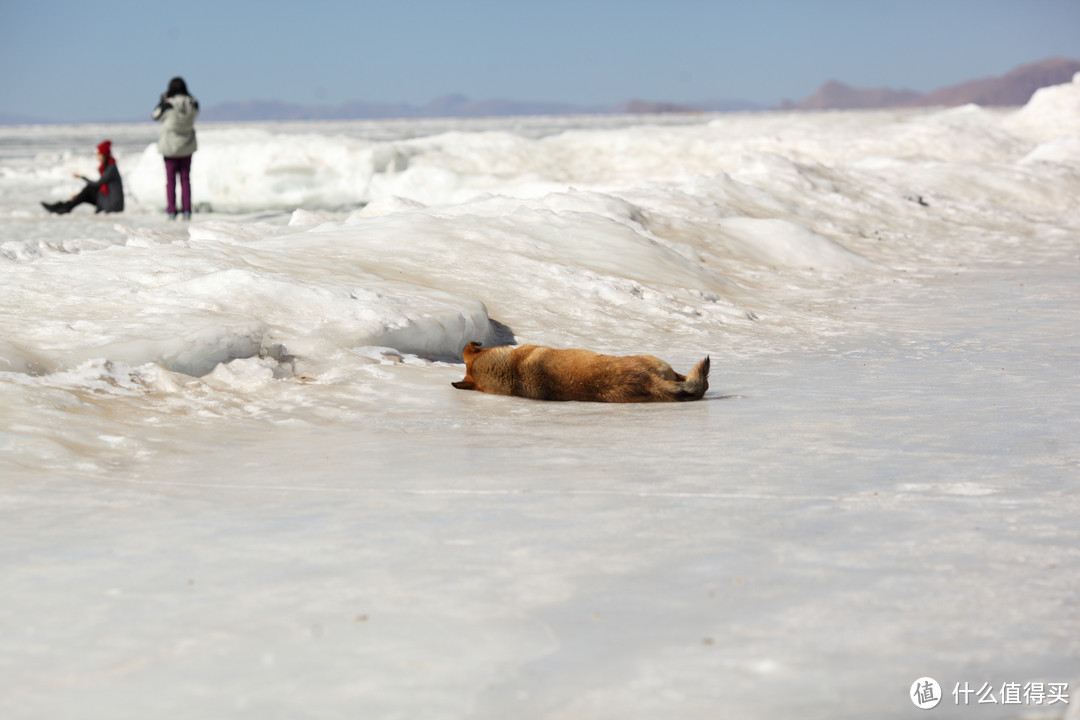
464, 385
471, 350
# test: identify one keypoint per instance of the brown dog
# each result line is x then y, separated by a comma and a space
544, 373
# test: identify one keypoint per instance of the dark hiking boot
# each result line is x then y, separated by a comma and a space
60, 208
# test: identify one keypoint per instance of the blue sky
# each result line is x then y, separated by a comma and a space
86, 61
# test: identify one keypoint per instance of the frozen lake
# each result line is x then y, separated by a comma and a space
237, 482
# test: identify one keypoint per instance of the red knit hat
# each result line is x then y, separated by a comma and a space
105, 148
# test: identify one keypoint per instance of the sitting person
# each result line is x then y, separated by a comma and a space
106, 193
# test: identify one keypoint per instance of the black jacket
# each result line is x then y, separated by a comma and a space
113, 201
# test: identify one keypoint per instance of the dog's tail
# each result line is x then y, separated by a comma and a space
695, 384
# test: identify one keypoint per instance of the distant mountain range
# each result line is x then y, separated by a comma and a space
1012, 89
450, 106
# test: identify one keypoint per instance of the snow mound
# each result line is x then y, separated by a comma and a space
1052, 112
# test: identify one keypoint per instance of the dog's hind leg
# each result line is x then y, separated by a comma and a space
695, 384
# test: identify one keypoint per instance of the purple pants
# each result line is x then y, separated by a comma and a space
181, 166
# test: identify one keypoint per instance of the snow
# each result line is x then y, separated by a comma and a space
237, 482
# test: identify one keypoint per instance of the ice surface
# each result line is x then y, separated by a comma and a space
237, 482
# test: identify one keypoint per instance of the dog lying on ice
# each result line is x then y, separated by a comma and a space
543, 373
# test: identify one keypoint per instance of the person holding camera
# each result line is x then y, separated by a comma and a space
176, 112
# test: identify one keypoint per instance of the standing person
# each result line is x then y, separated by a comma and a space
106, 193
176, 112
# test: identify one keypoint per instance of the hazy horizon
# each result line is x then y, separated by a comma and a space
597, 54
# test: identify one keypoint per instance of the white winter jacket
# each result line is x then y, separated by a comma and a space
177, 117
